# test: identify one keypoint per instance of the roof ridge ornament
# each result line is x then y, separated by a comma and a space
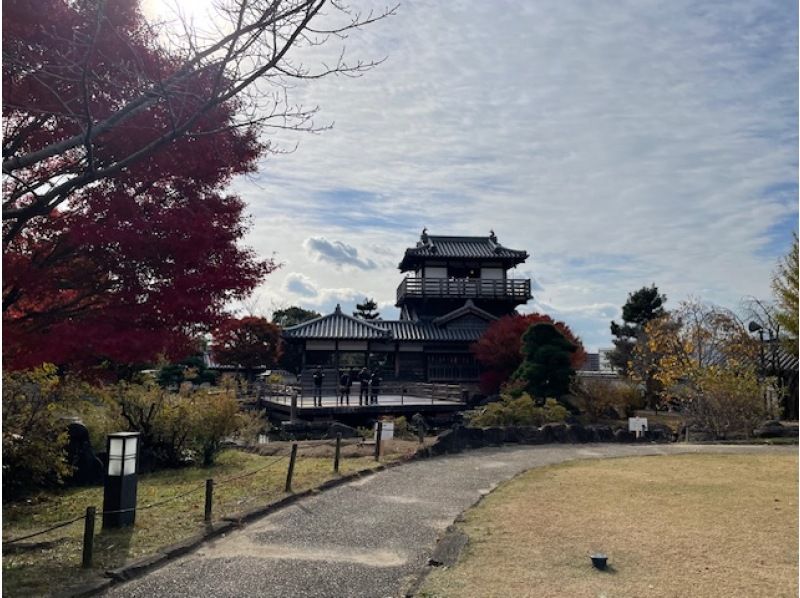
493, 237
424, 236
338, 309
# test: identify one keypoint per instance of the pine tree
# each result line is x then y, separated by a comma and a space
367, 310
642, 306
293, 315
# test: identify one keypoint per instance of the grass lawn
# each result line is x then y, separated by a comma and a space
55, 564
687, 525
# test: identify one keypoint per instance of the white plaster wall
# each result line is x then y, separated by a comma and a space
435, 272
492, 273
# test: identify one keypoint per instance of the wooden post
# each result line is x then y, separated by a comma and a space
338, 451
421, 433
290, 473
209, 500
293, 408
88, 537
378, 433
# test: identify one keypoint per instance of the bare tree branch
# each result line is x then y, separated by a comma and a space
249, 46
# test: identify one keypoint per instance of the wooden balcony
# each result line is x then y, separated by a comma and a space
514, 290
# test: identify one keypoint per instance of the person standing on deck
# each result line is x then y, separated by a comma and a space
375, 387
353, 374
344, 387
363, 377
318, 376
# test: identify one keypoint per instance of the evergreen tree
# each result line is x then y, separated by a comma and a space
291, 359
368, 310
292, 316
546, 367
642, 306
784, 285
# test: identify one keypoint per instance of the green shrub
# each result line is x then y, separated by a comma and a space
366, 432
513, 388
191, 369
95, 408
521, 411
215, 416
34, 432
608, 398
401, 428
175, 426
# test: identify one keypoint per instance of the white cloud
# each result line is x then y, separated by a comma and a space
621, 144
336, 252
300, 284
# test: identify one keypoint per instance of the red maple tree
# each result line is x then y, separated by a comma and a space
134, 265
248, 342
499, 350
91, 88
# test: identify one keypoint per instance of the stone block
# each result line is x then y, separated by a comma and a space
577, 433
494, 436
556, 432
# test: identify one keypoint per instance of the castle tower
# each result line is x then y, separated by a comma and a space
445, 272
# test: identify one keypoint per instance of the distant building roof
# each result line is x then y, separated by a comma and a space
592, 363
784, 360
431, 246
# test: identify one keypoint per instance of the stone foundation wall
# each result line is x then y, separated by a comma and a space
460, 438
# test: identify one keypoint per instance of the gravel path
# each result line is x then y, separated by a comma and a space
367, 538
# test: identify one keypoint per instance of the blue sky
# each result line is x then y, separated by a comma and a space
619, 143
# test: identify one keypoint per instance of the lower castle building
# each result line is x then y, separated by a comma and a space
453, 289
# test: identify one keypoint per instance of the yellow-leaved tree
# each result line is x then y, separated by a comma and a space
785, 287
34, 436
705, 360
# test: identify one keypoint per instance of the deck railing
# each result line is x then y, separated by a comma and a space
466, 288
467, 373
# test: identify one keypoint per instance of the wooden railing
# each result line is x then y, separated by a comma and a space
454, 372
391, 392
469, 288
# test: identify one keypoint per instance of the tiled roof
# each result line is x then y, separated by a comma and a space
460, 247
784, 360
337, 325
407, 330
340, 326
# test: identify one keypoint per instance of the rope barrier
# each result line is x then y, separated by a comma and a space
249, 473
156, 504
193, 490
44, 531
152, 505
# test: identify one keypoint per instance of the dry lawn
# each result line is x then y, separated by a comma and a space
688, 525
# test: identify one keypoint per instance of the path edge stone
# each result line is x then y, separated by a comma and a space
452, 541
